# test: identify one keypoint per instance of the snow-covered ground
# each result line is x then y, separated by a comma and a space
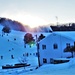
47, 69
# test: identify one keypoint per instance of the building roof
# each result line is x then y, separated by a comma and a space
67, 34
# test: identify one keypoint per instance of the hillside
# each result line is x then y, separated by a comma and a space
16, 48
12, 46
15, 25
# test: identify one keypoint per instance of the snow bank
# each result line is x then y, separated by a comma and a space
72, 62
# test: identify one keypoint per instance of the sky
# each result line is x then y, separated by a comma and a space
38, 12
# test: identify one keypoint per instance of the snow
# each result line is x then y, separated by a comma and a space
47, 69
55, 69
70, 34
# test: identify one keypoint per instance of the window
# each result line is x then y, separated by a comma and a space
43, 47
55, 46
12, 57
44, 60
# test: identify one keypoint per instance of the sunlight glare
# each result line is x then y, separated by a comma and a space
27, 19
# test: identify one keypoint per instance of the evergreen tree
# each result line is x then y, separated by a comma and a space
70, 49
6, 29
28, 38
41, 37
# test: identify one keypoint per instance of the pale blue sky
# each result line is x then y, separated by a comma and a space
44, 9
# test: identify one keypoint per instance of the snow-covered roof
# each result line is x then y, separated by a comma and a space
67, 34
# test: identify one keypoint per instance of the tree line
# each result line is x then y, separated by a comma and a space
64, 27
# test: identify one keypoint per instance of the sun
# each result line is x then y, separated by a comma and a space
30, 20
27, 19
33, 21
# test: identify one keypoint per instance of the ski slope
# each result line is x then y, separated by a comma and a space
19, 50
9, 46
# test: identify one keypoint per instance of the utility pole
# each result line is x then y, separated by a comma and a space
56, 20
38, 54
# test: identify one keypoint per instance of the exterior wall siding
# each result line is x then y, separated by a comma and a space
50, 52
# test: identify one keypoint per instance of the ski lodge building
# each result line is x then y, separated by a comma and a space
53, 46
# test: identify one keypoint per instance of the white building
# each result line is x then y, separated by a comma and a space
53, 46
